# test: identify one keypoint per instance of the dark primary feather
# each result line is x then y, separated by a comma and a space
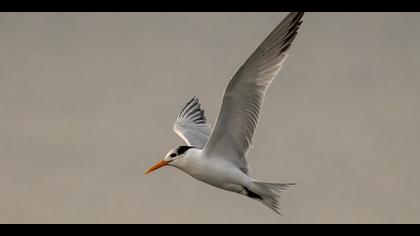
192, 111
283, 34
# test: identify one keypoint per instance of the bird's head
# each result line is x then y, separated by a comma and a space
171, 158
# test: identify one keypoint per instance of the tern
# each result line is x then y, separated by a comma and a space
218, 156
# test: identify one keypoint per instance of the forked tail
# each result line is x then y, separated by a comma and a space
268, 194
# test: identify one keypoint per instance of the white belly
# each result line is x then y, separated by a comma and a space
218, 173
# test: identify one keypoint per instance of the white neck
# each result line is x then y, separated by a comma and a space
187, 160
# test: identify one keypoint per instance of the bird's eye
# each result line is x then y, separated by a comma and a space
173, 155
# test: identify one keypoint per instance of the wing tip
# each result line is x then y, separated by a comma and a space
192, 110
188, 104
293, 29
281, 38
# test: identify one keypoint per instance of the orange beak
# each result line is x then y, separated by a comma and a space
157, 166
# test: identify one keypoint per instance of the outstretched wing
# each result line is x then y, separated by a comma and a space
191, 124
237, 120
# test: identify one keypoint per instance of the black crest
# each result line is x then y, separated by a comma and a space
182, 149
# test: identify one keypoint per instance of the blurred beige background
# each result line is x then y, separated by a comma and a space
87, 103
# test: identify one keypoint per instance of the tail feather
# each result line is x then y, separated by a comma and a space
270, 194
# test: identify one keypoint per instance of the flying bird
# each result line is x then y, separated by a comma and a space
218, 156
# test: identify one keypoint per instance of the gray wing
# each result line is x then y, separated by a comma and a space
191, 124
243, 97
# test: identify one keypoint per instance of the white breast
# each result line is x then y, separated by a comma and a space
213, 171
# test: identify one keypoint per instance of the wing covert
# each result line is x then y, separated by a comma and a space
244, 95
